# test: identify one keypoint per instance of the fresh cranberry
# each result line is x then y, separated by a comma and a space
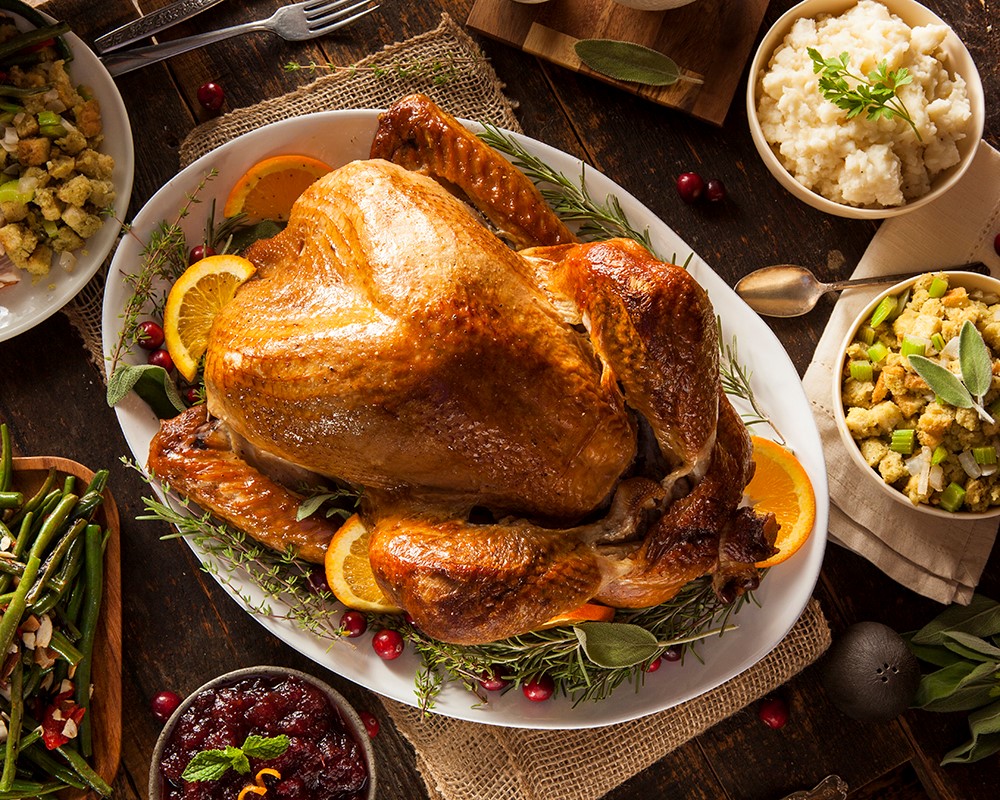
200, 251
773, 712
149, 335
316, 581
655, 664
671, 654
192, 396
388, 644
161, 358
164, 704
690, 186
354, 624
211, 96
370, 722
539, 689
715, 192
492, 682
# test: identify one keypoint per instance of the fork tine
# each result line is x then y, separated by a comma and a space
322, 6
333, 21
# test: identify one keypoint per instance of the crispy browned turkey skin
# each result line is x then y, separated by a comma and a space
566, 396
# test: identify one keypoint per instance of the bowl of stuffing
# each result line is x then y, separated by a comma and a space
865, 108
917, 398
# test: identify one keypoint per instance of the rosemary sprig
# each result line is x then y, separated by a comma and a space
693, 615
437, 71
736, 382
569, 199
164, 258
874, 94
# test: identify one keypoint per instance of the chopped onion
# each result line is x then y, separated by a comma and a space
67, 260
968, 462
936, 478
951, 348
920, 466
27, 184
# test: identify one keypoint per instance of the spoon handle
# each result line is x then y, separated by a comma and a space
874, 280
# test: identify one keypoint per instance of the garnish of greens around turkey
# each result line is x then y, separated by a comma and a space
51, 587
584, 661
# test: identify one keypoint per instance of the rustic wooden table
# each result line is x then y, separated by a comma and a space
181, 630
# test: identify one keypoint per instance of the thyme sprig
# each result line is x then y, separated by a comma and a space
437, 71
693, 615
736, 382
570, 199
163, 259
874, 94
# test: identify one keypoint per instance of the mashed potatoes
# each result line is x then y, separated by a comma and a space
862, 162
931, 451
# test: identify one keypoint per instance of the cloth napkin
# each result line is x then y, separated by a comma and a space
939, 559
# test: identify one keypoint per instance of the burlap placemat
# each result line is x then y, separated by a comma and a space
523, 763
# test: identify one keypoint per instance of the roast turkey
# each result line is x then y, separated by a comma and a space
532, 428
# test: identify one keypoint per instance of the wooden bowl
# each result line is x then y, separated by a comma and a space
106, 704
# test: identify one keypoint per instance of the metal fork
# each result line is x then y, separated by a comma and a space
294, 23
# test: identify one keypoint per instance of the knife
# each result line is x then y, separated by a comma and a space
153, 22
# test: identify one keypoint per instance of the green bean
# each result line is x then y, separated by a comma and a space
64, 647
92, 497
15, 610
48, 506
62, 581
42, 759
38, 20
9, 566
53, 525
13, 727
36, 500
11, 500
75, 603
25, 789
32, 37
84, 770
69, 484
53, 562
94, 577
34, 680
6, 459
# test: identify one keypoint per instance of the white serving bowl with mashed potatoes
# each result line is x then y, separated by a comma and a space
948, 444
861, 168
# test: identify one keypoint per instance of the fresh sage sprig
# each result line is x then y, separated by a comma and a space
210, 765
615, 645
977, 373
964, 643
874, 94
630, 62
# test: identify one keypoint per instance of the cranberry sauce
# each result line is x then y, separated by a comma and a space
323, 760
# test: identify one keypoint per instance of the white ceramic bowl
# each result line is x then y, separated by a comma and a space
958, 61
349, 716
969, 280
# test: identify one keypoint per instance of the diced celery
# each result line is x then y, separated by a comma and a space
937, 342
10, 192
48, 118
861, 370
952, 497
901, 302
866, 335
985, 455
882, 311
877, 352
938, 287
940, 454
912, 346
902, 441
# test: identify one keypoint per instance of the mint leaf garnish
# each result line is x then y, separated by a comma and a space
259, 747
210, 765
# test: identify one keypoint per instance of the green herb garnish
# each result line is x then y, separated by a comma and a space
977, 375
631, 62
874, 95
210, 765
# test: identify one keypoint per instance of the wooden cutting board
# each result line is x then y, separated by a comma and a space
708, 39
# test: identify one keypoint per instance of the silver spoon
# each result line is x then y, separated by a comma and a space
786, 290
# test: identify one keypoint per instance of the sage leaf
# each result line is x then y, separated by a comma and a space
310, 506
265, 747
616, 644
627, 61
980, 618
208, 765
974, 357
943, 383
937, 655
244, 237
972, 647
960, 687
984, 724
151, 383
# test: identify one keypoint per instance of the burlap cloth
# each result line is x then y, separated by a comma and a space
940, 559
464, 760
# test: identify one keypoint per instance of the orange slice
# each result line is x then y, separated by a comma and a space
349, 572
780, 485
270, 187
588, 612
194, 300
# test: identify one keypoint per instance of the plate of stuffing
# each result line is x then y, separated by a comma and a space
67, 161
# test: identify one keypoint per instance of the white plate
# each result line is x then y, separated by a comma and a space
339, 136
29, 302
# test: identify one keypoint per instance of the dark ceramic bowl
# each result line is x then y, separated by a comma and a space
350, 717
